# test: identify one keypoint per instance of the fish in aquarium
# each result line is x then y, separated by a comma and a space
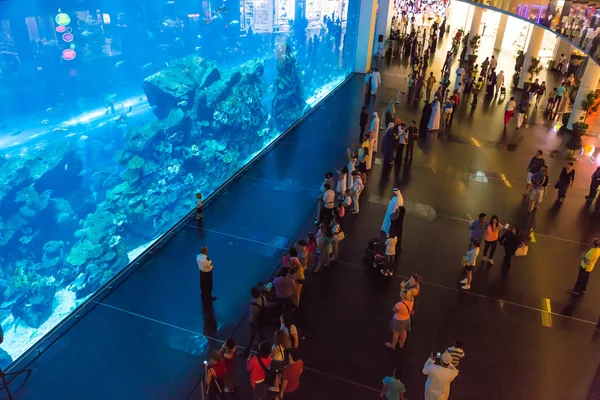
161, 124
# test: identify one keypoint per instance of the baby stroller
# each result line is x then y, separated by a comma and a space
502, 91
375, 253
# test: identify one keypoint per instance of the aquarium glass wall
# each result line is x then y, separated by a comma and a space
114, 114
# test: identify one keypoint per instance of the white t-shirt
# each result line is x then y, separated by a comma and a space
390, 249
510, 106
329, 198
358, 185
204, 264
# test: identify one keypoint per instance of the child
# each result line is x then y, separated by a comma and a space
393, 388
338, 236
469, 261
390, 254
448, 108
199, 206
456, 352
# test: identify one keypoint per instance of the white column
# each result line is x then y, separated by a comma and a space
364, 41
533, 49
384, 22
475, 25
589, 83
500, 32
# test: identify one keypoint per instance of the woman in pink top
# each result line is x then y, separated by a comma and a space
400, 323
491, 239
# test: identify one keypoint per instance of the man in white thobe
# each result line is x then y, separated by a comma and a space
439, 377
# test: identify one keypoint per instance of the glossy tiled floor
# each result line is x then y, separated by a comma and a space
525, 337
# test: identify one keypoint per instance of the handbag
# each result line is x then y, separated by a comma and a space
522, 251
269, 375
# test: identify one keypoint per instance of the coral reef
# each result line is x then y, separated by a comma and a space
288, 101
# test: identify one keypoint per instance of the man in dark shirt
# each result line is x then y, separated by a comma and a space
364, 118
533, 89
594, 185
539, 186
535, 165
413, 134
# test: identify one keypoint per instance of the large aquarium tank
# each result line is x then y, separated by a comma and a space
114, 114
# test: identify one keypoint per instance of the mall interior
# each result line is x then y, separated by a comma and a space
161, 158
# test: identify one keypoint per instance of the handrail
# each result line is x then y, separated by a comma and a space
510, 14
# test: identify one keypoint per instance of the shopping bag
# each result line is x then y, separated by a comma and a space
522, 251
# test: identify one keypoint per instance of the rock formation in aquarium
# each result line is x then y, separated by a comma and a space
288, 100
75, 235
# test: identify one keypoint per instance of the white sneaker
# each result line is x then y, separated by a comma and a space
383, 272
464, 281
491, 261
466, 287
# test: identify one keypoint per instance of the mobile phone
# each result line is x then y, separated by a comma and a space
206, 362
506, 226
438, 354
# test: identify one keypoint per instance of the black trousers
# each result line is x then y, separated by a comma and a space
255, 330
582, 281
410, 148
506, 262
206, 284
362, 134
491, 245
399, 153
593, 190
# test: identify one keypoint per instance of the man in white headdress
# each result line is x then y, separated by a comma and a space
396, 202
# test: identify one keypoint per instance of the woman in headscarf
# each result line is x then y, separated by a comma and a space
389, 143
396, 202
434, 120
491, 83
499, 81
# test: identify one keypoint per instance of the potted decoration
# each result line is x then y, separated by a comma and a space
474, 46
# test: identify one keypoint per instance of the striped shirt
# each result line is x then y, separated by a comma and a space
456, 354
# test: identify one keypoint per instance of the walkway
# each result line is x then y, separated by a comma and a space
525, 337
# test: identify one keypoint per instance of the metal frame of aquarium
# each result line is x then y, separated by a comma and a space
52, 337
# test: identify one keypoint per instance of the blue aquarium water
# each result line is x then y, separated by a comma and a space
114, 114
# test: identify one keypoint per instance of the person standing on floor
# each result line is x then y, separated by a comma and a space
439, 377
393, 388
434, 120
390, 113
327, 205
493, 63
533, 89
588, 262
470, 261
402, 142
325, 246
491, 239
491, 84
540, 93
257, 319
511, 242
290, 382
390, 254
389, 143
522, 110
412, 135
456, 352
539, 187
499, 82
258, 365
565, 180
400, 322
478, 228
476, 89
535, 165
560, 92
459, 74
206, 275
430, 82
484, 67
374, 132
397, 226
396, 201
364, 119
448, 108
594, 185
357, 188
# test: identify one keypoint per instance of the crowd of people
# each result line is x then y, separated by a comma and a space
274, 360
